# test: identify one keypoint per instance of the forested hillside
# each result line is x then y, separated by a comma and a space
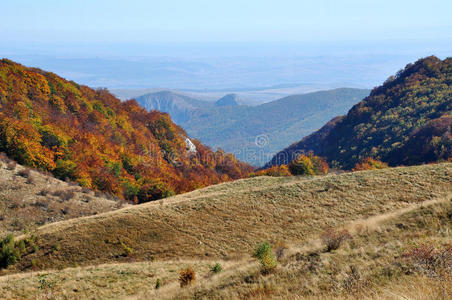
91, 137
405, 121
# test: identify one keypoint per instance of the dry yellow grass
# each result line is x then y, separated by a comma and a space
370, 266
374, 252
26, 203
228, 220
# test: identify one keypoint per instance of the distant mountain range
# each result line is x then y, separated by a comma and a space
253, 133
405, 121
178, 106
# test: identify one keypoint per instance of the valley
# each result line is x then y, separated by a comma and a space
216, 150
237, 127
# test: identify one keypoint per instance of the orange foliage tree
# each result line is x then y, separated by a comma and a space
369, 163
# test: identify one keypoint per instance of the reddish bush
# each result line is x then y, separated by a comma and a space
333, 239
25, 173
431, 259
11, 165
187, 276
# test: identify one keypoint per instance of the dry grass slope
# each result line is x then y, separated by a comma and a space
29, 199
228, 220
370, 265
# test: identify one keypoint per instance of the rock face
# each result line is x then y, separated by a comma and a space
228, 100
191, 148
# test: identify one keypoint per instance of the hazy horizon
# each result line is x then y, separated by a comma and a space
231, 21
210, 46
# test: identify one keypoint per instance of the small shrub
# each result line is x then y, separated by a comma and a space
268, 263
264, 254
11, 165
352, 280
44, 192
30, 180
68, 195
217, 268
72, 183
34, 264
187, 276
45, 284
9, 253
127, 250
64, 195
261, 249
86, 190
56, 247
99, 194
25, 173
158, 284
431, 259
333, 239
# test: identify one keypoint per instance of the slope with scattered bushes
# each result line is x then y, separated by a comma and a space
226, 221
403, 250
29, 199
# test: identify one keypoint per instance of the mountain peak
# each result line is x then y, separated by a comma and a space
228, 100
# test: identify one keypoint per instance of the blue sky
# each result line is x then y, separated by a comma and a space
222, 21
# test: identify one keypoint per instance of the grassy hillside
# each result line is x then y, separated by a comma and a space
93, 138
375, 263
254, 133
387, 212
406, 121
226, 221
29, 199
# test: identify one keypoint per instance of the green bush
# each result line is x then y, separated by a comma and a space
158, 284
9, 253
217, 268
128, 251
264, 254
261, 249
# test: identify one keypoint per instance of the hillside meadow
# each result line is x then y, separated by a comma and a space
386, 225
226, 221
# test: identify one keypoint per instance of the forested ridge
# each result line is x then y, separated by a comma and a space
405, 121
91, 137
